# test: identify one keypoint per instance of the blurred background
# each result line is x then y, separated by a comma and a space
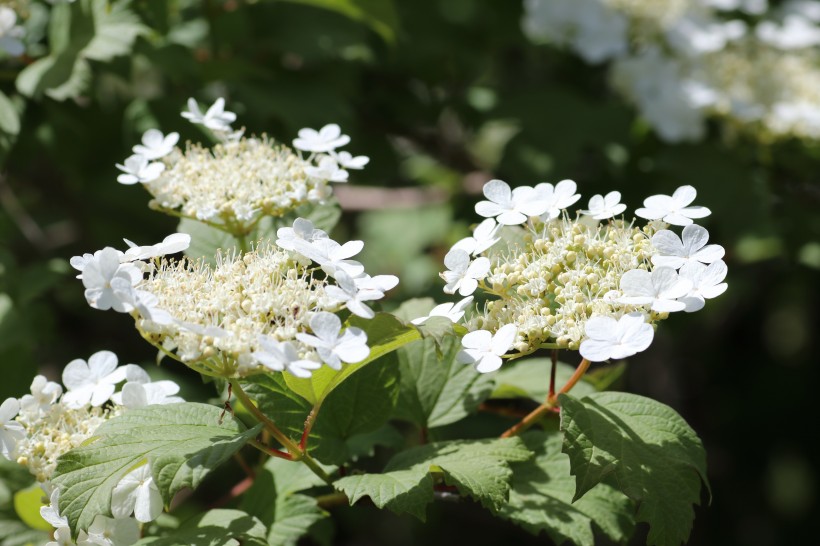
442, 95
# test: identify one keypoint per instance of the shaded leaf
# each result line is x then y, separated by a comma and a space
220, 527
530, 378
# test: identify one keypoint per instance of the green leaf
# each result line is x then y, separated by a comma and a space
14, 532
205, 240
380, 15
542, 492
530, 378
273, 499
9, 118
644, 447
437, 390
27, 503
218, 527
479, 469
182, 443
385, 334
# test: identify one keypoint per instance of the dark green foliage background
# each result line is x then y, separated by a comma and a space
442, 95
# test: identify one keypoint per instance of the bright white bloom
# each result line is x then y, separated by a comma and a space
302, 229
176, 242
675, 209
483, 349
796, 32
51, 513
105, 531
328, 169
347, 161
215, 119
452, 311
382, 283
606, 206
559, 197
707, 283
97, 275
282, 355
463, 274
352, 296
484, 236
137, 168
658, 289
138, 395
608, 338
326, 139
691, 247
146, 303
331, 255
510, 207
10, 430
332, 348
155, 145
137, 493
92, 382
10, 33
43, 394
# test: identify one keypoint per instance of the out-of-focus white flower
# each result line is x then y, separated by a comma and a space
707, 283
690, 247
452, 311
282, 355
463, 274
352, 296
105, 531
331, 347
43, 394
137, 493
658, 289
602, 207
216, 118
509, 207
796, 32
331, 255
484, 236
302, 229
695, 35
559, 197
97, 275
93, 381
608, 338
11, 431
348, 161
673, 209
483, 349
328, 169
137, 168
176, 242
155, 145
326, 139
10, 33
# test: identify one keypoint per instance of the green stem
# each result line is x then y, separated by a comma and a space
243, 243
331, 500
292, 448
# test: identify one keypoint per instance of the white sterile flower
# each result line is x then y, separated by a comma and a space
606, 206
92, 382
138, 395
136, 492
332, 348
463, 274
331, 255
137, 168
97, 275
51, 513
796, 32
347, 161
176, 242
326, 139
673, 209
155, 145
452, 311
352, 296
43, 394
608, 338
216, 118
484, 236
143, 301
690, 247
10, 33
282, 355
509, 207
557, 198
10, 430
105, 531
79, 263
382, 283
707, 283
328, 169
62, 537
658, 289
484, 349
302, 229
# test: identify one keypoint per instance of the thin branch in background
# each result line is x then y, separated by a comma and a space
51, 237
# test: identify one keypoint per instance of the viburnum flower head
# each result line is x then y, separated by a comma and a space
454, 312
155, 145
10, 430
331, 347
98, 272
602, 207
137, 493
484, 236
509, 207
43, 394
557, 198
463, 274
215, 118
691, 246
673, 209
332, 256
707, 283
282, 355
91, 382
326, 139
658, 289
608, 338
138, 168
483, 349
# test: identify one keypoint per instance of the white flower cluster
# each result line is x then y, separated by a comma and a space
39, 427
681, 61
241, 179
10, 33
262, 310
575, 282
